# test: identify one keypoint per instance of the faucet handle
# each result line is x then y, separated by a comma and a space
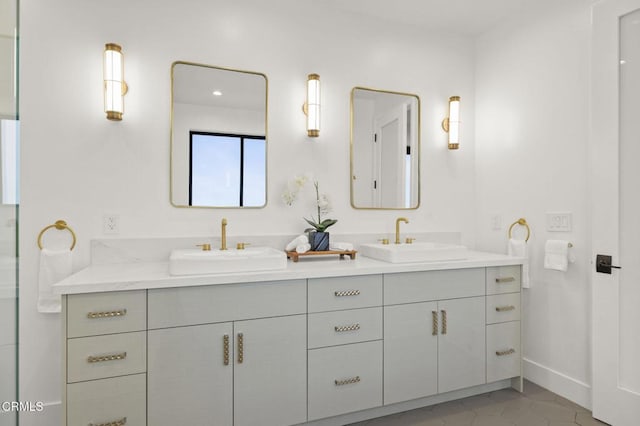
409, 240
385, 241
205, 247
241, 246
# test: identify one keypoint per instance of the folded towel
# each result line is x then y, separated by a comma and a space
556, 255
54, 266
303, 248
519, 248
341, 246
299, 240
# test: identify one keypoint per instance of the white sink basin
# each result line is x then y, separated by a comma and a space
415, 252
215, 261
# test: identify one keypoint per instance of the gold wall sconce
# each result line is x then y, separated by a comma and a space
114, 85
451, 124
311, 107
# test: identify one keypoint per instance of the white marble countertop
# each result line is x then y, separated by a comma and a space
151, 275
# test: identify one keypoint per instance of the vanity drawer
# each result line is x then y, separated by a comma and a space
172, 307
343, 327
98, 357
106, 313
503, 279
114, 402
503, 351
503, 308
408, 287
343, 379
332, 294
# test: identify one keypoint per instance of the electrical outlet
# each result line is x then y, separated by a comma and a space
111, 224
496, 222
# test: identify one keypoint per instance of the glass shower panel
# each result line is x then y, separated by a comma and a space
9, 136
629, 374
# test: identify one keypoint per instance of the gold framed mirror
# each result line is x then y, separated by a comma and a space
384, 149
218, 138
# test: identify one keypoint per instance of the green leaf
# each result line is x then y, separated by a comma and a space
312, 223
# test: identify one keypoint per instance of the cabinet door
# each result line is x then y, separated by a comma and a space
461, 343
189, 382
270, 372
410, 351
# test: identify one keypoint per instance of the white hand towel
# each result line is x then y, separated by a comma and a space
303, 248
297, 241
341, 246
556, 255
54, 266
519, 248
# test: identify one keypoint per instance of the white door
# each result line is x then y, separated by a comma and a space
190, 375
615, 208
391, 147
270, 371
410, 351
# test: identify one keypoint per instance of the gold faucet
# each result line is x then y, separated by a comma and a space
223, 242
398, 220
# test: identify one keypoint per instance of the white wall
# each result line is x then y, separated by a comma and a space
532, 80
77, 166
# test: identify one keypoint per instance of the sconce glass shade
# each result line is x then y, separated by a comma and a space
313, 105
451, 124
114, 85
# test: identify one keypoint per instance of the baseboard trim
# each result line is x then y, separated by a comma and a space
565, 386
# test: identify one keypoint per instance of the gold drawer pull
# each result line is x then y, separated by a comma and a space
107, 314
507, 352
350, 381
225, 344
347, 293
434, 321
240, 348
103, 358
501, 280
352, 327
444, 322
505, 308
121, 422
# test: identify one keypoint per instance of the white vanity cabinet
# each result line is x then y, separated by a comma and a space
240, 372
433, 346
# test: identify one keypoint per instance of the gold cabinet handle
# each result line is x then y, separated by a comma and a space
347, 293
352, 327
240, 348
104, 358
225, 349
349, 381
505, 308
444, 321
507, 352
434, 323
107, 314
121, 422
501, 280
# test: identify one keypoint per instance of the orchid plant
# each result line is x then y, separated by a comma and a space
322, 202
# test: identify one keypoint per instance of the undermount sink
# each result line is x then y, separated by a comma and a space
415, 252
215, 261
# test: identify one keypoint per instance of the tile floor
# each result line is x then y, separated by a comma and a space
536, 406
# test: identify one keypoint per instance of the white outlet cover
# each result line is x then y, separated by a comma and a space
559, 222
111, 224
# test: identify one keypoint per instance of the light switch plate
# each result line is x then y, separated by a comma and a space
559, 222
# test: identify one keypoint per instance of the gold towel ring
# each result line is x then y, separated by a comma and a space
60, 225
522, 222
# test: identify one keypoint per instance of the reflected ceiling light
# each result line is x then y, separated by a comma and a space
217, 93
451, 124
312, 107
114, 85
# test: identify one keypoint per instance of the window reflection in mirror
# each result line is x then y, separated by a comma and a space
218, 137
385, 149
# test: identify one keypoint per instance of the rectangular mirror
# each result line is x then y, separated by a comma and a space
218, 137
385, 149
